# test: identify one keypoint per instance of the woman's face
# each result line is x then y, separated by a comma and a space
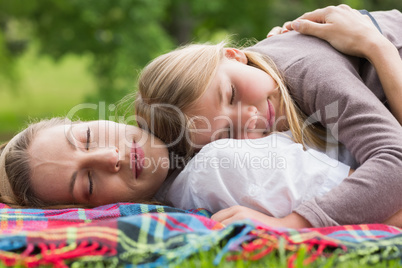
241, 102
96, 163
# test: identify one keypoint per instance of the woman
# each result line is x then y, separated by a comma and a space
341, 92
58, 162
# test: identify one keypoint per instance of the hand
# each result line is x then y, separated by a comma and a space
346, 29
395, 220
236, 213
280, 30
350, 32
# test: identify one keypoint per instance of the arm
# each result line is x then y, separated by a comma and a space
395, 220
293, 220
345, 95
388, 64
235, 213
354, 34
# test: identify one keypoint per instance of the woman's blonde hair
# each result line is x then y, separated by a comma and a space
171, 84
17, 169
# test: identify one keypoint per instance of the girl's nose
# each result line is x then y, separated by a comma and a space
105, 158
249, 117
245, 118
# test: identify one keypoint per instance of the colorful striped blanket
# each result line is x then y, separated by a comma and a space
153, 236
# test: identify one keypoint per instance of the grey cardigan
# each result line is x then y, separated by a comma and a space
345, 95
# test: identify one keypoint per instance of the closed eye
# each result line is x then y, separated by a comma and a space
88, 138
91, 184
232, 98
229, 134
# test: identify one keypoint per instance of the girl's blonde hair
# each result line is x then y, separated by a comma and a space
171, 84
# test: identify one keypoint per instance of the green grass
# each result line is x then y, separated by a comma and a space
205, 259
44, 89
276, 259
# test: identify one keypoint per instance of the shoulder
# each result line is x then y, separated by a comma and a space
310, 66
390, 23
390, 16
291, 47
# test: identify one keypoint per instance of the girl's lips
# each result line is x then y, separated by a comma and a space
270, 115
136, 159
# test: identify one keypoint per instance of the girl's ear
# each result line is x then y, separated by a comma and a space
233, 53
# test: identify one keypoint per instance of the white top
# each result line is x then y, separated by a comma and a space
272, 175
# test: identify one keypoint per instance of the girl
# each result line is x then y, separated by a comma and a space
225, 92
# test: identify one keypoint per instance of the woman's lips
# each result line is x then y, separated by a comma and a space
136, 159
270, 116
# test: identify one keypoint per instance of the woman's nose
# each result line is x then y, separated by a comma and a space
104, 158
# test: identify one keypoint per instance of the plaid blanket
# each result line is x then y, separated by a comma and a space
153, 236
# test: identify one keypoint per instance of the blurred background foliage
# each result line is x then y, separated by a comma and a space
57, 54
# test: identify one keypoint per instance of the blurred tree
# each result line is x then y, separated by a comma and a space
120, 36
123, 35
198, 20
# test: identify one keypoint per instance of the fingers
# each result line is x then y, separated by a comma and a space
280, 30
287, 27
318, 22
276, 30
310, 22
321, 15
317, 15
308, 27
228, 215
222, 215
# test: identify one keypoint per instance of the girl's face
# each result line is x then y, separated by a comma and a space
241, 102
96, 163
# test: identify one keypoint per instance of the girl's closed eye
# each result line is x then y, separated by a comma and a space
230, 136
232, 98
91, 183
